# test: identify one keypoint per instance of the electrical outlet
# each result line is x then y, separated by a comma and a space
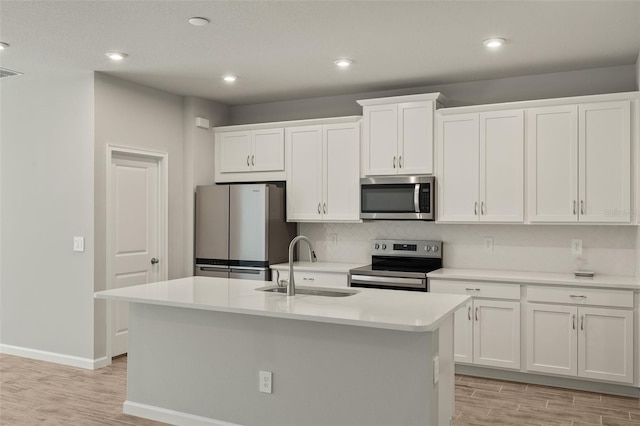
436, 369
333, 239
78, 243
488, 243
576, 246
264, 383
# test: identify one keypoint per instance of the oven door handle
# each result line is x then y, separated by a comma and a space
390, 281
416, 198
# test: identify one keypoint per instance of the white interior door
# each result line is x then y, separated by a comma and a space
134, 240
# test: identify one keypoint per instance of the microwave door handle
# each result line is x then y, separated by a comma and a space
416, 198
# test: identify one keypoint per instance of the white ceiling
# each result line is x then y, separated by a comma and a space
285, 49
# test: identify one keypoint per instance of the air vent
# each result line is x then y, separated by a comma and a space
8, 73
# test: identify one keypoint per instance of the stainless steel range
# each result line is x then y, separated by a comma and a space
399, 265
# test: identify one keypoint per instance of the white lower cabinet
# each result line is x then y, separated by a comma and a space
594, 343
486, 332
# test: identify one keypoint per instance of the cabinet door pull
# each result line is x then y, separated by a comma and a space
248, 160
573, 321
577, 296
582, 322
581, 206
482, 207
476, 313
394, 161
324, 208
475, 209
470, 289
574, 207
469, 312
400, 162
319, 211
252, 162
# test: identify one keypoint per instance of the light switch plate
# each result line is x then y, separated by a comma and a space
78, 243
488, 243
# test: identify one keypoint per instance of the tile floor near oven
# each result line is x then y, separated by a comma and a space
37, 392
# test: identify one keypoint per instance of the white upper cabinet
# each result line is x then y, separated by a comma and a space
250, 155
398, 135
457, 177
323, 181
579, 162
481, 167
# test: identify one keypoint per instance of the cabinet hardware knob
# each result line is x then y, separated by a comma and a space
319, 206
482, 207
582, 322
154, 261
476, 313
400, 162
324, 208
248, 160
577, 296
573, 321
252, 162
475, 209
574, 207
582, 207
394, 161
469, 312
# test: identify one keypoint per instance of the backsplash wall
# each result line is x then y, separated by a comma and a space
607, 250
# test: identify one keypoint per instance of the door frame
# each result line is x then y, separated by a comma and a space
162, 158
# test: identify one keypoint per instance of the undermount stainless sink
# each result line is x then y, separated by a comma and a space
310, 291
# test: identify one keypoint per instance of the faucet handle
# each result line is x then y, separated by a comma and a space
283, 283
313, 256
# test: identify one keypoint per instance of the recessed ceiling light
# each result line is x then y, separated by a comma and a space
494, 42
343, 63
230, 78
198, 21
116, 56
3, 45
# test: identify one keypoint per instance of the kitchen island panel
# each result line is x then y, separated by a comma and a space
206, 363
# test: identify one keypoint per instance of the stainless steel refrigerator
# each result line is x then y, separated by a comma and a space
241, 230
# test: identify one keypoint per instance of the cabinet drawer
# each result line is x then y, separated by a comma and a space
581, 296
320, 279
476, 289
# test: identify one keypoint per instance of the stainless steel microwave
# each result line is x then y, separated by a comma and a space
397, 198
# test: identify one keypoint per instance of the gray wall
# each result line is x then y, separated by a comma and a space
46, 171
540, 86
198, 161
130, 115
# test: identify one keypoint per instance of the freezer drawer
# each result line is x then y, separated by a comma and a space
207, 271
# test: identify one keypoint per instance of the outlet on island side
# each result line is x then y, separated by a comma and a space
576, 246
264, 381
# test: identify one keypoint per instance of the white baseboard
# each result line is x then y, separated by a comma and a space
73, 361
172, 417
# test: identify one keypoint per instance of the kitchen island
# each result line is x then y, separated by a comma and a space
197, 345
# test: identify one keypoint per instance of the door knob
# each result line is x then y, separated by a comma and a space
154, 261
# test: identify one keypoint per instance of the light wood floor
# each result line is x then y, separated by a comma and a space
37, 392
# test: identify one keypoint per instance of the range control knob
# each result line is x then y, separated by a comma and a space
435, 249
376, 246
384, 247
427, 248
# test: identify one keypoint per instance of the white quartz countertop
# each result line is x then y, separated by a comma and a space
602, 281
386, 309
335, 267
